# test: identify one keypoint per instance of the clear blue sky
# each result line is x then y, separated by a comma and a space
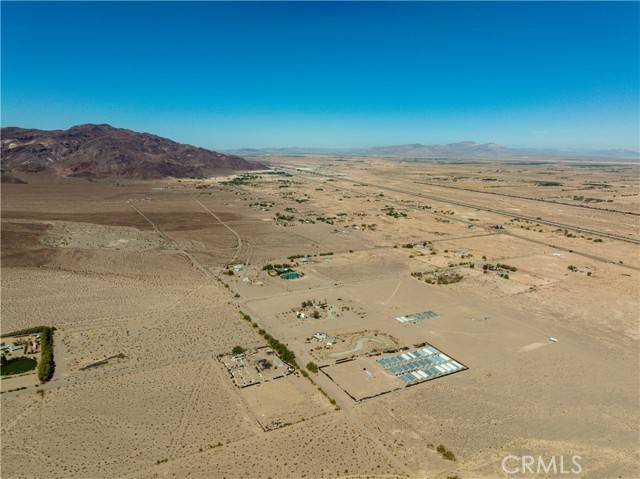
225, 75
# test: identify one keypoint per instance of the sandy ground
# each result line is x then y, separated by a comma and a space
134, 278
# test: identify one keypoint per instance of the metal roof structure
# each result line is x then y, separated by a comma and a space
420, 365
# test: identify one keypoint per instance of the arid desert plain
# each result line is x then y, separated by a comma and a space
521, 277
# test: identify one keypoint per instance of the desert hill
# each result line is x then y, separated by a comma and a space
102, 151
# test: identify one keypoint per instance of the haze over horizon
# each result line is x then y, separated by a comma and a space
342, 75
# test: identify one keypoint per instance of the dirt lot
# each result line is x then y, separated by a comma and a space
139, 280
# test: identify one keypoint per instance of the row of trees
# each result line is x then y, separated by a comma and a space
47, 365
282, 350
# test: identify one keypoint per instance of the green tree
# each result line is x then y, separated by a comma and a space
237, 350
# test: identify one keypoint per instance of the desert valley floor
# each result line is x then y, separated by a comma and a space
527, 272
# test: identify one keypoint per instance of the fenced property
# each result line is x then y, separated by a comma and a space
255, 367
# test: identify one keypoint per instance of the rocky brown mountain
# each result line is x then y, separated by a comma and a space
102, 151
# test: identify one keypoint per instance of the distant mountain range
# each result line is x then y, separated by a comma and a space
102, 151
460, 150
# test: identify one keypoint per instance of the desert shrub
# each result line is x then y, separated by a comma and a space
446, 453
313, 367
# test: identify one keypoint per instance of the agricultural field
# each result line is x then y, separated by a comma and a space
524, 275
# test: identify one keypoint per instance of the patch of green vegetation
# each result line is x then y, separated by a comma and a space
313, 367
17, 365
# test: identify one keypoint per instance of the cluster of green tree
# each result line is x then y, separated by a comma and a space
313, 367
237, 350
